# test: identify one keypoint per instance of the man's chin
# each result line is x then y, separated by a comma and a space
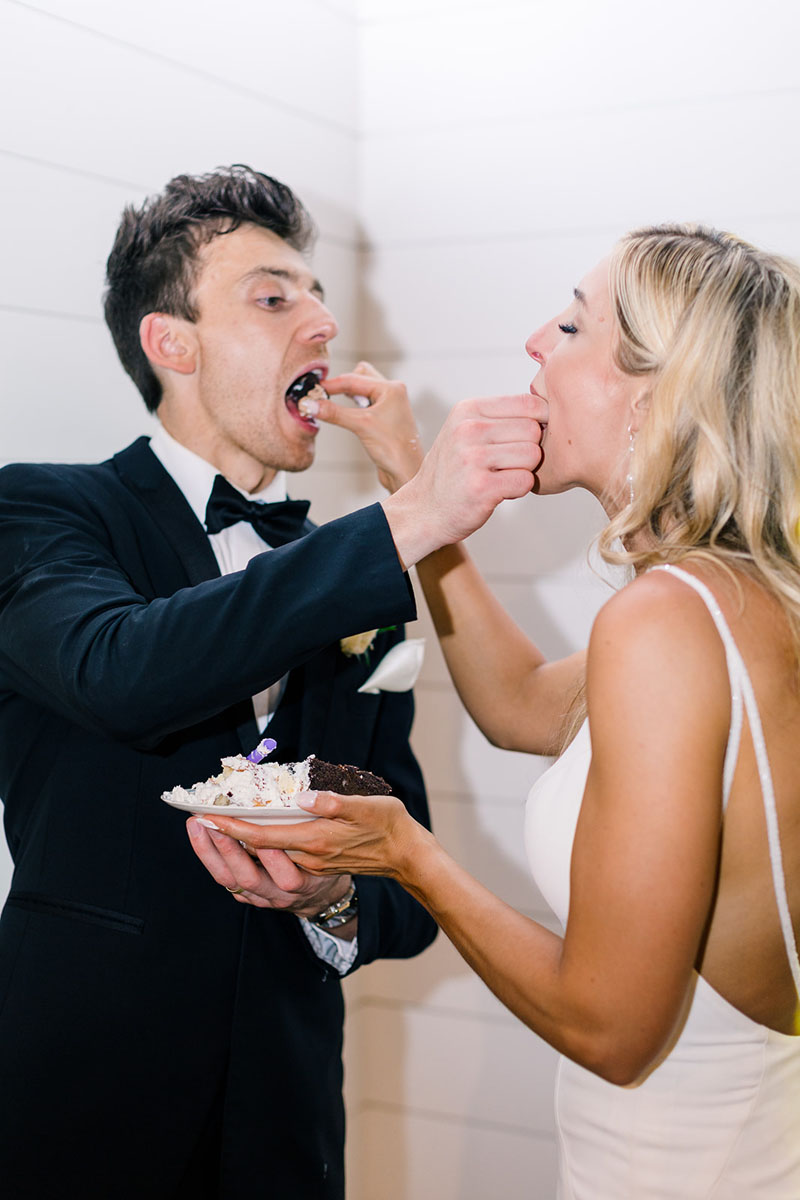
296, 463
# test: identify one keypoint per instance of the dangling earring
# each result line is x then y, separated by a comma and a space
631, 441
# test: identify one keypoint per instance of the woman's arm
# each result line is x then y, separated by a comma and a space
516, 698
610, 992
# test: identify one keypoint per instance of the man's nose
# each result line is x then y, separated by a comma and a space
320, 324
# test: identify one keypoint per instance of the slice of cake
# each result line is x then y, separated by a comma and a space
246, 783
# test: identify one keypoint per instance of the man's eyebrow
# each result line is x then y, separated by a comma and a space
283, 273
579, 296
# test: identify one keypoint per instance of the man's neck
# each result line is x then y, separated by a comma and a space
237, 466
194, 475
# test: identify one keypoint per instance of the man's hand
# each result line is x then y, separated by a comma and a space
267, 878
385, 427
486, 452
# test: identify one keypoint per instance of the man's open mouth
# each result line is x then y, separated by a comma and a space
301, 389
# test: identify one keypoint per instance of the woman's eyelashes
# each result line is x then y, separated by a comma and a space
567, 327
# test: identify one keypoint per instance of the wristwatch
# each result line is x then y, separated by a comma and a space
339, 913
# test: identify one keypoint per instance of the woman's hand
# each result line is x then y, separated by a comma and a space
358, 835
385, 427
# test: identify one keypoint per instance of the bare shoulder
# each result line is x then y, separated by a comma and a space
656, 640
657, 609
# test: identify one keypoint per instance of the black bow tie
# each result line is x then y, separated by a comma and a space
277, 523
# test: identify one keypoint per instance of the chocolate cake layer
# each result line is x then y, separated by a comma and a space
346, 780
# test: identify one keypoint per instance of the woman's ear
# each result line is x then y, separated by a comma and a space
168, 342
640, 406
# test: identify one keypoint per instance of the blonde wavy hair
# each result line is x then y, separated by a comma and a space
716, 465
715, 323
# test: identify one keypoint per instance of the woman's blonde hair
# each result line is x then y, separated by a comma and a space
716, 464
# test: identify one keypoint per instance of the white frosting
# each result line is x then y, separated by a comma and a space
308, 405
248, 784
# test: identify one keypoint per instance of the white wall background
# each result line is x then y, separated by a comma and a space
466, 161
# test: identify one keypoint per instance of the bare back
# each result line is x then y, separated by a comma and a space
744, 955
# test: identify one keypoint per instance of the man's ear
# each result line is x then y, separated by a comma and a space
168, 342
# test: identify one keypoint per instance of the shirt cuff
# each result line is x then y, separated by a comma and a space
335, 951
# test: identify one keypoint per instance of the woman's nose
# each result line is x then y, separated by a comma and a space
541, 342
535, 346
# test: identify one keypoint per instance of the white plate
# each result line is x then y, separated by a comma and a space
268, 814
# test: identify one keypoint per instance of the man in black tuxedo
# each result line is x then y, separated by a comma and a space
157, 1038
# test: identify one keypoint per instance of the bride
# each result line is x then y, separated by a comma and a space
666, 836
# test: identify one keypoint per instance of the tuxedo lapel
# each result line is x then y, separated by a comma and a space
144, 475
319, 700
141, 471
247, 727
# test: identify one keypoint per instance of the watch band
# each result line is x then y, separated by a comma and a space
339, 913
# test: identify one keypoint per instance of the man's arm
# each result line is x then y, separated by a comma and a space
74, 627
77, 633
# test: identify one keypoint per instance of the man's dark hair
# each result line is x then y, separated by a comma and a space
153, 263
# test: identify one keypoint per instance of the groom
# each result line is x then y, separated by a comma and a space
158, 1039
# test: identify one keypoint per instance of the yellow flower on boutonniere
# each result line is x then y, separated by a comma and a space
357, 643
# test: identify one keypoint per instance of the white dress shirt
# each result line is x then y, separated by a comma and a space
233, 548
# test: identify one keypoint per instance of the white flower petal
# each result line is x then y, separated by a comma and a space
398, 670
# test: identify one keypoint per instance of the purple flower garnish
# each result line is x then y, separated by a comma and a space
264, 747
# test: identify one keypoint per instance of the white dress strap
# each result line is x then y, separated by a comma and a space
742, 688
737, 673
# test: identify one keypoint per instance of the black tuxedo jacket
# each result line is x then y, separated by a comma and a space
141, 1007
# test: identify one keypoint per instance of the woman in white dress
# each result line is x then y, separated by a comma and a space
667, 835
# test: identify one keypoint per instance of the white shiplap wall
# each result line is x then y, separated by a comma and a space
466, 162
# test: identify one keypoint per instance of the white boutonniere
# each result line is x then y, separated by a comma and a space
398, 670
358, 643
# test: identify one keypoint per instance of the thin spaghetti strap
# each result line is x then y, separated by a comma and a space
771, 814
736, 671
736, 664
